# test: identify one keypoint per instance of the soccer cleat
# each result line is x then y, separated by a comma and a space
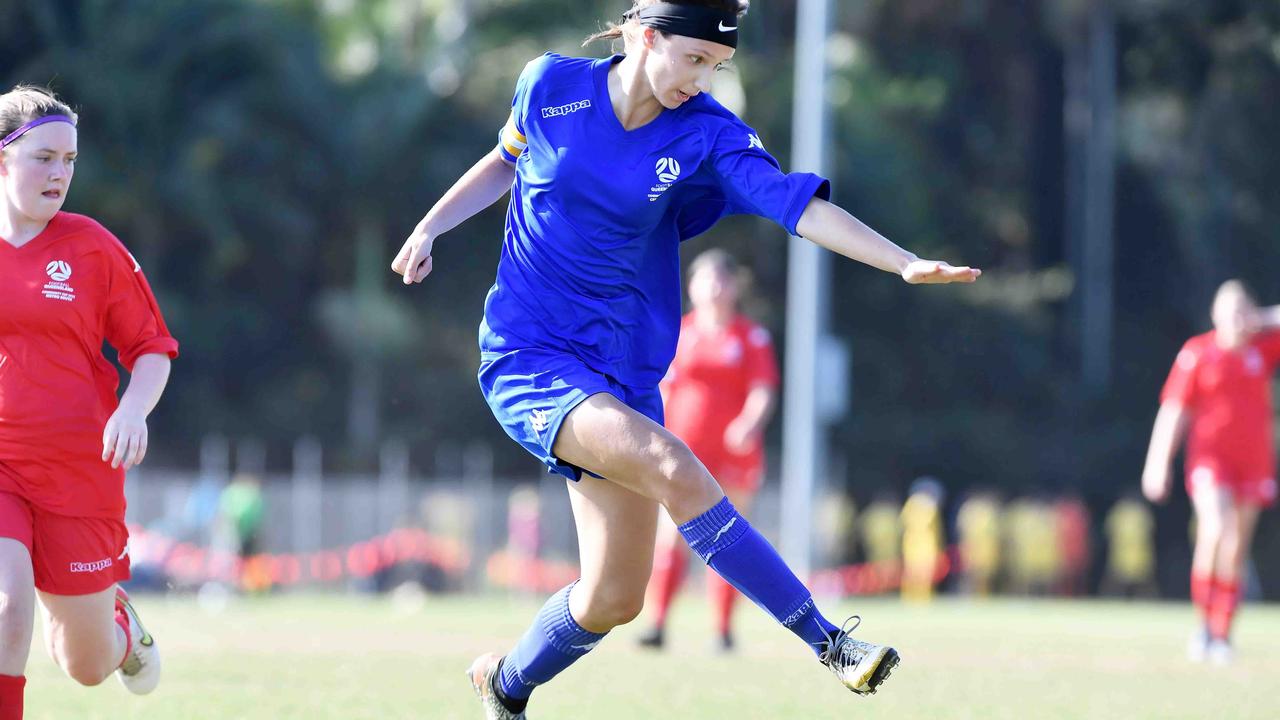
483, 673
861, 666
654, 639
1220, 652
140, 671
1198, 645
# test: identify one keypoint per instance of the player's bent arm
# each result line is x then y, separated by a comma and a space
146, 383
478, 188
758, 408
829, 226
481, 186
124, 438
1171, 425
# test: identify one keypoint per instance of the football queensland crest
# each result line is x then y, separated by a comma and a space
668, 170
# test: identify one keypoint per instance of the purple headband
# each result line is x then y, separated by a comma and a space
33, 124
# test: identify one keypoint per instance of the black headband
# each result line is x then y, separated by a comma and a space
695, 21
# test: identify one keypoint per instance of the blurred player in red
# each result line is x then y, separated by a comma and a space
66, 286
719, 394
1220, 389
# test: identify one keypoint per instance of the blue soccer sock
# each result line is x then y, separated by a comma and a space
727, 542
551, 644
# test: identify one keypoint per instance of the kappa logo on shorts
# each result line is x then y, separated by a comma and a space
91, 567
538, 420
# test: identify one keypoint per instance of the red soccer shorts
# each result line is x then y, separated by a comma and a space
70, 555
1248, 482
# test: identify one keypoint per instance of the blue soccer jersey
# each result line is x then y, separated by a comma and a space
590, 262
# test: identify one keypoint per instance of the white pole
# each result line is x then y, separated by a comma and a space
803, 441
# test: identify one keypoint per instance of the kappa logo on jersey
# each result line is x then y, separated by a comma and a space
561, 110
538, 419
59, 272
753, 141
668, 169
136, 266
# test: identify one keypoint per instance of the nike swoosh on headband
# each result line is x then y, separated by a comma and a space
724, 28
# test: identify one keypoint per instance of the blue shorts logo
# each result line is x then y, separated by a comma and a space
538, 420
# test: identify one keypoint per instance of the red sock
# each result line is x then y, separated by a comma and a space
1202, 593
722, 595
11, 687
668, 572
122, 619
1226, 596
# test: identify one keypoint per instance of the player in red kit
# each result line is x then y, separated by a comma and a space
719, 394
1220, 390
66, 286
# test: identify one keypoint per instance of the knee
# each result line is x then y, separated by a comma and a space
16, 619
611, 607
85, 671
678, 479
1209, 532
1229, 550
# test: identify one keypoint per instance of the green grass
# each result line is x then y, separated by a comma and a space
315, 657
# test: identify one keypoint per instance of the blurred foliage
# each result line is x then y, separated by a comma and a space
265, 159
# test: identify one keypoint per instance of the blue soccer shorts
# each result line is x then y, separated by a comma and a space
532, 390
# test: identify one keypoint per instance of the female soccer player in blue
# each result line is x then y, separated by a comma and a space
611, 163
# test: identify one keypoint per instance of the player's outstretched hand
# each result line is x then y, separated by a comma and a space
414, 259
934, 272
124, 439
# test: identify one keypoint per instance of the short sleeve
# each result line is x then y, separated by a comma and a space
1180, 387
134, 325
761, 362
1268, 343
753, 182
511, 138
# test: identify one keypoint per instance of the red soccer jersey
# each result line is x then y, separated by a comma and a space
1228, 393
63, 293
708, 383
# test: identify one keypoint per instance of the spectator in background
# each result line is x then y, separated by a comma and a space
1219, 394
240, 510
1032, 540
880, 529
524, 535
922, 539
1071, 520
1130, 569
719, 394
978, 523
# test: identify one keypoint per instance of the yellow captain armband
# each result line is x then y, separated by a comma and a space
511, 140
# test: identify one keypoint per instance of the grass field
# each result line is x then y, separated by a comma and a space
315, 657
